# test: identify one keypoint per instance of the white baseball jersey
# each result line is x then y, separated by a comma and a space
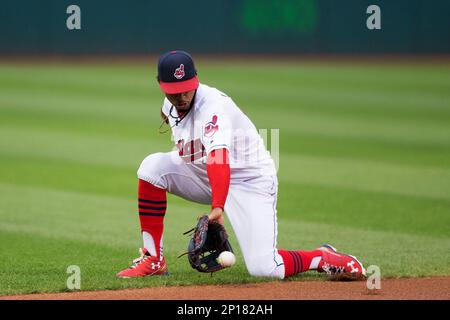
214, 122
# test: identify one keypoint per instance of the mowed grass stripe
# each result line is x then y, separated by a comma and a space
364, 209
98, 179
415, 133
30, 143
338, 109
405, 131
409, 154
361, 205
423, 141
132, 80
91, 217
63, 124
104, 158
299, 98
78, 104
89, 212
339, 80
426, 141
63, 137
433, 132
107, 220
395, 253
407, 77
393, 75
356, 101
426, 182
46, 269
421, 89
427, 137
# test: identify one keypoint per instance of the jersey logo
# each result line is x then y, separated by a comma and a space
211, 127
191, 150
179, 72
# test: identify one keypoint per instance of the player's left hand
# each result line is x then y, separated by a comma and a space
216, 214
208, 240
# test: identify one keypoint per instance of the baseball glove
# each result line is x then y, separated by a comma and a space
208, 240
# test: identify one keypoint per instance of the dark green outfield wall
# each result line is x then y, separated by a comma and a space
244, 26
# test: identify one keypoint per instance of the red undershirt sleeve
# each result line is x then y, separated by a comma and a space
218, 169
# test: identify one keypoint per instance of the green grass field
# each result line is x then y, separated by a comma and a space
364, 165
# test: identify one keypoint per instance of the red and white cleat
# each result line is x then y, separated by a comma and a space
145, 265
340, 266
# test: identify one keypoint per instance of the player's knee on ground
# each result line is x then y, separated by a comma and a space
263, 266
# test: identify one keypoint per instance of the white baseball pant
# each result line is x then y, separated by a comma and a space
250, 207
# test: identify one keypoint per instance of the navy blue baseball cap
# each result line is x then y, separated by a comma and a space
176, 72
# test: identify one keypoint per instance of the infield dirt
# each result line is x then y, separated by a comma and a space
435, 288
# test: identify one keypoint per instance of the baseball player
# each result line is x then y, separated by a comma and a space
221, 161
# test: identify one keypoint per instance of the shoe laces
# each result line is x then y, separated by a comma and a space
332, 269
140, 259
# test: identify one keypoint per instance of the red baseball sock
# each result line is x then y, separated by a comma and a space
299, 261
152, 209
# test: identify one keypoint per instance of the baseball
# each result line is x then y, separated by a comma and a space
226, 259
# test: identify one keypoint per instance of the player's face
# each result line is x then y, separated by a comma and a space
181, 101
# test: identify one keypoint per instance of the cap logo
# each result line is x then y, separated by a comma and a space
179, 72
